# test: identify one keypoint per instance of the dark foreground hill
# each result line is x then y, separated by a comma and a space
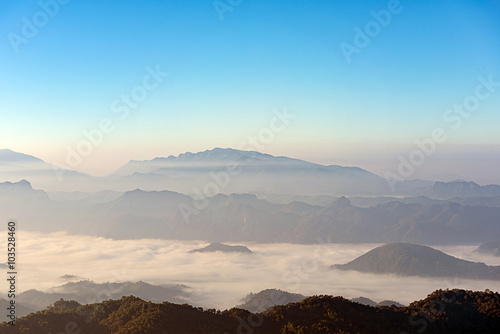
416, 260
450, 311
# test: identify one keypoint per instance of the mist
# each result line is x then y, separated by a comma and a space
220, 280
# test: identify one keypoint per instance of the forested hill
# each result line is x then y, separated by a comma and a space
450, 311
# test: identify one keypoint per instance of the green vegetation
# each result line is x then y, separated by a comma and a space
443, 311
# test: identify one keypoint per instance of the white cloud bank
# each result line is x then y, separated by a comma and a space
220, 280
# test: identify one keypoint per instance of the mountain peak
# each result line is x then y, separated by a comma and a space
406, 259
7, 155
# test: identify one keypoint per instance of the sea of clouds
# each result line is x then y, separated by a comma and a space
220, 280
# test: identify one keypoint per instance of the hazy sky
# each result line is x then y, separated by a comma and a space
362, 91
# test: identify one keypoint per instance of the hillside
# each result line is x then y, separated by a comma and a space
416, 260
244, 217
459, 312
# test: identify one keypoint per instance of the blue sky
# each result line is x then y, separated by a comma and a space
227, 76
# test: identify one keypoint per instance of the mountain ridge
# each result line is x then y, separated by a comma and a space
405, 259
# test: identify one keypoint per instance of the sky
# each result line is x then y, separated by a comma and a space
361, 81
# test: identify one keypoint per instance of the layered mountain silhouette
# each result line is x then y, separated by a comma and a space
85, 292
245, 217
248, 171
251, 171
415, 260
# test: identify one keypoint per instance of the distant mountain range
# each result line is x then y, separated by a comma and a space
415, 260
245, 217
229, 171
460, 312
447, 190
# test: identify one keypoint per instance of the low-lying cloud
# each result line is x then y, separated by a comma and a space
220, 280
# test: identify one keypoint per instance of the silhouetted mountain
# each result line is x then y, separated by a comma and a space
219, 247
364, 301
260, 301
21, 189
459, 312
244, 217
416, 260
492, 247
9, 157
397, 222
86, 292
251, 171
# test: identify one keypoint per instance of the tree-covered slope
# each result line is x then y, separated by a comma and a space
450, 311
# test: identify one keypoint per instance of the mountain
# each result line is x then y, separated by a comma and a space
171, 215
390, 303
260, 301
369, 302
415, 260
15, 166
491, 247
219, 247
459, 311
447, 190
364, 301
85, 292
398, 222
235, 171
245, 217
21, 309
